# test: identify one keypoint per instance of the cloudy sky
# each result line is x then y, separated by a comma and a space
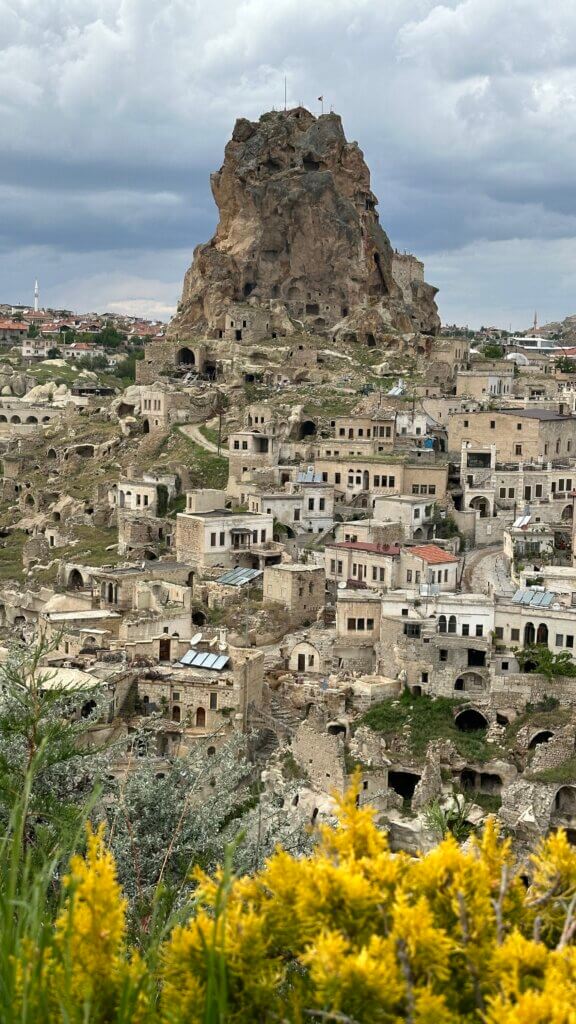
113, 113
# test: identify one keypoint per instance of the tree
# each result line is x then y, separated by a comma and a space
539, 658
352, 933
492, 351
33, 331
565, 365
43, 726
54, 353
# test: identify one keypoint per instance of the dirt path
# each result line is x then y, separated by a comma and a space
485, 571
192, 430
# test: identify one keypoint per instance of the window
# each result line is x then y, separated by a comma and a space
505, 665
310, 660
412, 629
376, 481
332, 565
445, 575
570, 640
443, 654
465, 629
321, 504
431, 488
492, 424
415, 489
417, 576
212, 540
310, 504
518, 426
416, 513
409, 576
391, 481
369, 623
337, 478
254, 536
424, 677
262, 535
296, 515
559, 640
538, 490
222, 538
511, 492
404, 611
502, 492
517, 449
466, 423
479, 630
213, 701
325, 478
374, 572
339, 567
514, 634
351, 625
499, 632
442, 624
360, 624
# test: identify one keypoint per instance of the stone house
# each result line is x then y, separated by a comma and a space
414, 513
441, 644
428, 564
357, 630
486, 380
300, 588
519, 434
134, 496
224, 538
368, 564
202, 703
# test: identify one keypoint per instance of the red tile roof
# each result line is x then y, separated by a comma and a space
431, 553
12, 325
358, 545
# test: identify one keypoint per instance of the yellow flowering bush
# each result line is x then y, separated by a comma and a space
352, 933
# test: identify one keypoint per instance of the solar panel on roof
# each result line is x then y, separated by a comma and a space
537, 598
239, 576
204, 659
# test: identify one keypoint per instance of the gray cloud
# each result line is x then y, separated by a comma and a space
113, 112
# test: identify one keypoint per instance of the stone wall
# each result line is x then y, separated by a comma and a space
321, 756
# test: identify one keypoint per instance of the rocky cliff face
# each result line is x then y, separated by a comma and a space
299, 232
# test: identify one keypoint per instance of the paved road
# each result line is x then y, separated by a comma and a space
192, 430
485, 570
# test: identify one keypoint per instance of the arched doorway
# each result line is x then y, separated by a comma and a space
452, 624
567, 513
442, 623
529, 634
470, 681
75, 580
482, 505
176, 713
403, 783
540, 737
185, 357
200, 718
307, 429
542, 634
470, 720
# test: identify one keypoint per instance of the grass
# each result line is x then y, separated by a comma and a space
565, 772
425, 719
539, 719
211, 434
11, 567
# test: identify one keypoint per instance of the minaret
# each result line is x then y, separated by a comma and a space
535, 328
36, 295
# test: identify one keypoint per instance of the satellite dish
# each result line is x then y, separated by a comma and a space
196, 639
342, 585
